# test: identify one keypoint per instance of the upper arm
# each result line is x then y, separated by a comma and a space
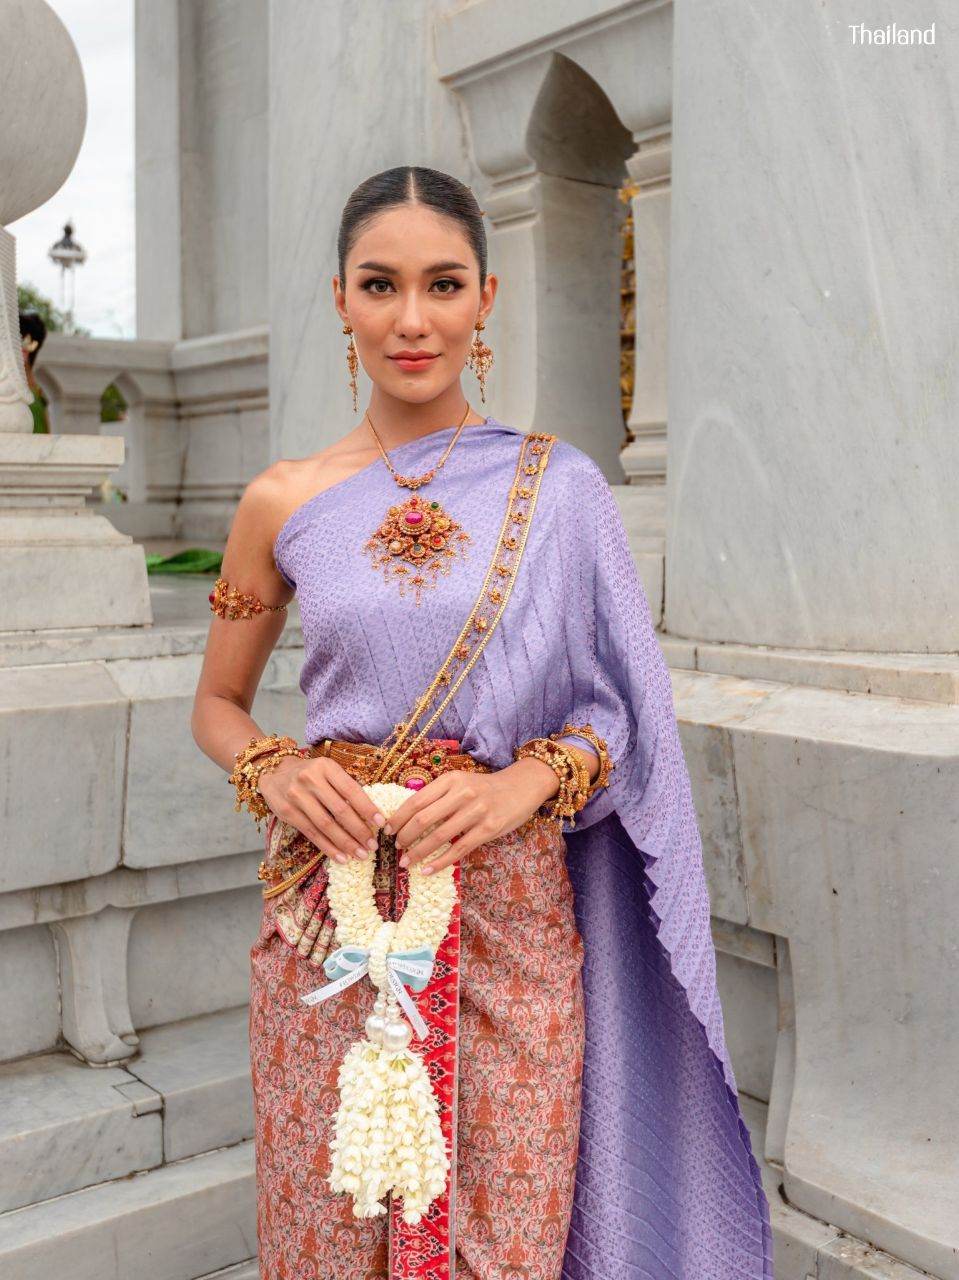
237, 649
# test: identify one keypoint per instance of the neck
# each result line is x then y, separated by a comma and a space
398, 421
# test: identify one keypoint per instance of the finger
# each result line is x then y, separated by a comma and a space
407, 810
362, 803
303, 821
330, 834
459, 849
421, 835
346, 827
455, 824
417, 801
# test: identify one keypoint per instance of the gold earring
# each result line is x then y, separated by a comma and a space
480, 359
352, 360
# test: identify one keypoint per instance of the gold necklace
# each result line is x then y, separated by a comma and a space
418, 539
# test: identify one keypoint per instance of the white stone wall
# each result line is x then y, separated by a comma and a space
814, 386
201, 161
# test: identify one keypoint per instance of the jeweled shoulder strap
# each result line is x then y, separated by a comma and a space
496, 590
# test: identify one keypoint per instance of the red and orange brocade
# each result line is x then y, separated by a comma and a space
514, 1038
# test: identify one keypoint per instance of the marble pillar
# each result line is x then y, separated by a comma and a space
60, 565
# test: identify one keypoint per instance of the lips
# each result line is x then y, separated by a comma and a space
413, 364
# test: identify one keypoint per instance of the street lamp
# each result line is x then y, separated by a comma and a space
67, 254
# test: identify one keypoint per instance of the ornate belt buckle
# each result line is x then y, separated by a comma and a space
427, 762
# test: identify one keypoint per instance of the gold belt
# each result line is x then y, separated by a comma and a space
427, 761
430, 758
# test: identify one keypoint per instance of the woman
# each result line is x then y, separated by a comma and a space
33, 334
575, 1032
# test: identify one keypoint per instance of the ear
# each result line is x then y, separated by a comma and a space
339, 299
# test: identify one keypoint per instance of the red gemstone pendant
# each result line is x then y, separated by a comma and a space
416, 542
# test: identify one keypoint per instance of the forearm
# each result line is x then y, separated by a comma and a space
542, 780
221, 729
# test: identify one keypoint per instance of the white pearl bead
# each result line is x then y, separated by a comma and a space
375, 1024
397, 1035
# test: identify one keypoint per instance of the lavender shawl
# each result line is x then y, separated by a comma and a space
666, 1182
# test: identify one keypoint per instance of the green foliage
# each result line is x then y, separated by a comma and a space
190, 560
29, 298
112, 404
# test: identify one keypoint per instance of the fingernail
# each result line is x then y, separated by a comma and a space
404, 861
371, 845
378, 819
360, 851
387, 828
428, 869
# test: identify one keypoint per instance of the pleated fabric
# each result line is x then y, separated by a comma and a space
666, 1181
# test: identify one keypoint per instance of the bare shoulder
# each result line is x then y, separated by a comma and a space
297, 479
257, 519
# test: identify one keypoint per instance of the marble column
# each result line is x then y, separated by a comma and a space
60, 564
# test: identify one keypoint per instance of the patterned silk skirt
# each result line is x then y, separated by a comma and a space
507, 1008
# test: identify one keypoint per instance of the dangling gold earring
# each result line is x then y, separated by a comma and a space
352, 360
480, 359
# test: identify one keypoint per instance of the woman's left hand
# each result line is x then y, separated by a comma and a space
470, 808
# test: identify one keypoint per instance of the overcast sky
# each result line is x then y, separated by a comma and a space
98, 195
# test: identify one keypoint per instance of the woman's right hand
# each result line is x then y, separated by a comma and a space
325, 803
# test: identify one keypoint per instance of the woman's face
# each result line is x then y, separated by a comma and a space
412, 285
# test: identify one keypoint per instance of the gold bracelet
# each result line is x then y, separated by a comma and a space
571, 770
259, 754
606, 764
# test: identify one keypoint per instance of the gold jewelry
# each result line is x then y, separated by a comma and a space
433, 758
480, 358
256, 757
570, 769
417, 539
352, 359
606, 764
533, 456
228, 602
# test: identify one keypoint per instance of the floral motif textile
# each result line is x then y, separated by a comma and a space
520, 1042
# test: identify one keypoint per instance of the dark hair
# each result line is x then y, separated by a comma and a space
32, 324
411, 184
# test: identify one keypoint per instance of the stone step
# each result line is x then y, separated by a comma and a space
65, 1126
243, 1271
201, 1069
178, 1222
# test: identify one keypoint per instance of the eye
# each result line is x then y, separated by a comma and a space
368, 285
449, 280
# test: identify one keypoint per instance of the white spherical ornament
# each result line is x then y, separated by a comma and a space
397, 1035
375, 1024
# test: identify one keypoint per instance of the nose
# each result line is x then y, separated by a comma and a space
410, 319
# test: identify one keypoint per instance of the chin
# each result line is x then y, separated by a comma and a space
422, 393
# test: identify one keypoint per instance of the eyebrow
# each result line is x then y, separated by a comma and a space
391, 271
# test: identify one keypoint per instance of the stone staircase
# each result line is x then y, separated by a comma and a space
143, 1170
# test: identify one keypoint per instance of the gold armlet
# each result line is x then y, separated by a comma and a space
228, 602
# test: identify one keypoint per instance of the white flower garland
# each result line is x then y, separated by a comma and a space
388, 1136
